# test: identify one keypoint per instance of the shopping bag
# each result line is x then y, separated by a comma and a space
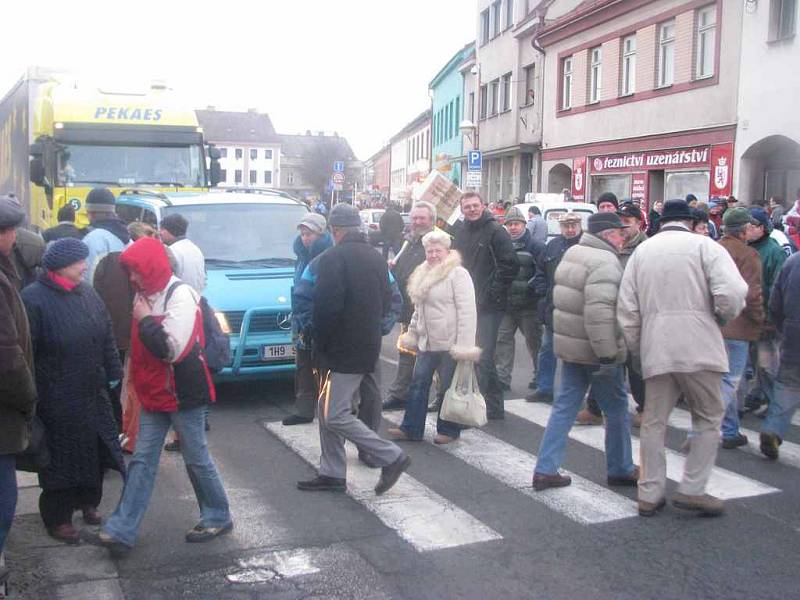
463, 402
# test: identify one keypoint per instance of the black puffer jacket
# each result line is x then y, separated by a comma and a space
75, 357
412, 256
544, 281
489, 256
521, 297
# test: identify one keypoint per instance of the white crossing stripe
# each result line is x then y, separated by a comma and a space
419, 515
796, 419
723, 484
584, 501
789, 451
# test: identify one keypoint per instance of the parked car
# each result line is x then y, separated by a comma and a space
552, 211
371, 217
247, 239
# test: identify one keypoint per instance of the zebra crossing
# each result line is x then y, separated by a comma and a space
429, 521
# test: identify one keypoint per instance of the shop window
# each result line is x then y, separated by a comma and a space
566, 83
628, 70
530, 79
678, 185
483, 100
595, 74
705, 45
619, 185
782, 19
666, 53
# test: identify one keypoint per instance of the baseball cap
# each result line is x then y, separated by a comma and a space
737, 217
314, 222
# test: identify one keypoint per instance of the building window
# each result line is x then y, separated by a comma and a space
494, 101
506, 92
253, 154
595, 74
237, 176
447, 122
530, 79
566, 83
472, 106
666, 54
457, 116
223, 175
290, 178
253, 177
484, 26
451, 122
628, 79
223, 153
496, 18
483, 102
239, 153
268, 154
509, 13
706, 46
782, 19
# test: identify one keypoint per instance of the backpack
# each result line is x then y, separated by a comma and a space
217, 350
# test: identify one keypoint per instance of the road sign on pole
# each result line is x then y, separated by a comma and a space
338, 166
337, 178
474, 160
474, 179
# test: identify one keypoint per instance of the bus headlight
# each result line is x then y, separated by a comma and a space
223, 322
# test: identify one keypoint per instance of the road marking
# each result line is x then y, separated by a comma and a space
419, 515
283, 565
584, 501
723, 484
796, 419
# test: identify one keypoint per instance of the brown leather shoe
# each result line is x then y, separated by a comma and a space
649, 509
543, 482
64, 533
707, 506
442, 439
91, 516
586, 418
625, 481
398, 435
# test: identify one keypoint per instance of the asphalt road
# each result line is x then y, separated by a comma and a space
463, 523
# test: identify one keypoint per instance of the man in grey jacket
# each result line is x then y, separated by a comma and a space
588, 341
687, 285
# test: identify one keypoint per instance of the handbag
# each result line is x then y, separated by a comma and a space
36, 457
463, 402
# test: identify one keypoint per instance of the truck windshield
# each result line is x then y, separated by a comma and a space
243, 235
179, 166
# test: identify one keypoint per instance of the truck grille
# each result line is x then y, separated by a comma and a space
261, 323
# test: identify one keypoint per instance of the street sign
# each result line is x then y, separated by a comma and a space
337, 178
474, 160
338, 166
474, 179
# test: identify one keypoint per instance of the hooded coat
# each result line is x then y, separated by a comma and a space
75, 358
168, 366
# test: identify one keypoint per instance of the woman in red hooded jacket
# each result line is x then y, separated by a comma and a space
170, 377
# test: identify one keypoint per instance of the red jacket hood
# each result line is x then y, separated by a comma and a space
148, 257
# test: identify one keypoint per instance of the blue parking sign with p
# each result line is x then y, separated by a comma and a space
474, 160
338, 166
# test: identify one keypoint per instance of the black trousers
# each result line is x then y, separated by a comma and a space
56, 506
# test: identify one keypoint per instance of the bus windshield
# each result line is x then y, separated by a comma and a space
179, 166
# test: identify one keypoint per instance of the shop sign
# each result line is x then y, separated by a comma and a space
680, 158
639, 186
579, 179
721, 170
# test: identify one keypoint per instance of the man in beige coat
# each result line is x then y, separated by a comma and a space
677, 290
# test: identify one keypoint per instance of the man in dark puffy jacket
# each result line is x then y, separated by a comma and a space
521, 311
488, 254
543, 284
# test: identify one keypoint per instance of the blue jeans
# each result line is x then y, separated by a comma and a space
8, 494
609, 391
738, 351
417, 406
124, 524
546, 369
785, 400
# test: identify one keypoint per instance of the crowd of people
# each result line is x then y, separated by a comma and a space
113, 317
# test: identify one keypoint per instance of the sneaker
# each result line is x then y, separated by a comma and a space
543, 482
322, 483
769, 445
734, 442
587, 418
707, 506
649, 509
629, 480
539, 396
296, 420
173, 446
391, 473
199, 533
394, 404
442, 439
90, 515
64, 533
101, 538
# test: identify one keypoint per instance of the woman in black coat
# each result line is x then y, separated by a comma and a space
75, 360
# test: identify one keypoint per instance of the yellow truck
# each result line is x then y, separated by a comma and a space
58, 140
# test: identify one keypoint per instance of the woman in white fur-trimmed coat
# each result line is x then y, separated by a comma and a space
442, 332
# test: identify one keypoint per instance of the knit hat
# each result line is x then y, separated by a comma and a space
11, 213
344, 215
63, 253
515, 214
608, 197
676, 210
100, 199
313, 222
738, 217
601, 221
176, 224
629, 209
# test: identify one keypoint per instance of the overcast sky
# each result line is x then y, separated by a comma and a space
358, 67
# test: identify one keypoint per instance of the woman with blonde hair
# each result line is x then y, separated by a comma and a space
442, 332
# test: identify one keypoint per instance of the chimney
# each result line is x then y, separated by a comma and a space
308, 132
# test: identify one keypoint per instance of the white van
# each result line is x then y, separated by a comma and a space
552, 212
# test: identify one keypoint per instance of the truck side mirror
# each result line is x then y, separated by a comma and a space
216, 172
37, 171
